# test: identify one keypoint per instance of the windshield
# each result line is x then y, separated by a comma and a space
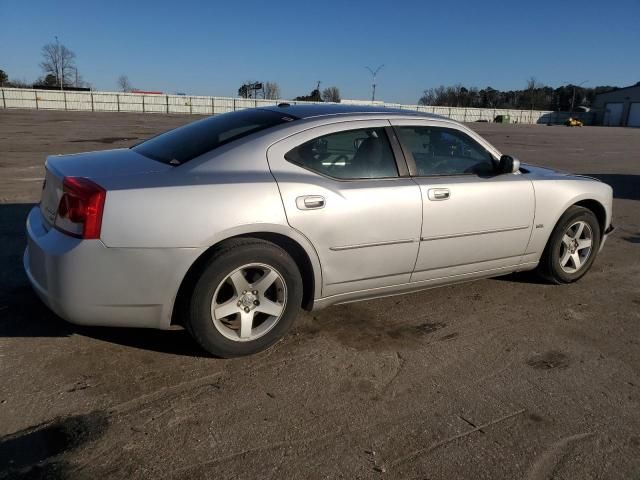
178, 146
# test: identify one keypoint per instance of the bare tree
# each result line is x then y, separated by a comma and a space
19, 83
457, 92
534, 89
331, 94
427, 98
436, 96
59, 61
4, 78
271, 90
124, 84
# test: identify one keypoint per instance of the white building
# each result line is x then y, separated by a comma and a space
619, 108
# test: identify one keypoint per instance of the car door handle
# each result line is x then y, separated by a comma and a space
310, 202
437, 194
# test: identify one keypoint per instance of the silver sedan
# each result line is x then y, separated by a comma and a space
230, 225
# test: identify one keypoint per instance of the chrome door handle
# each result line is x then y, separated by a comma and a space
436, 194
310, 202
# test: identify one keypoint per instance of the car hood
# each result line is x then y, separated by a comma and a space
548, 173
103, 164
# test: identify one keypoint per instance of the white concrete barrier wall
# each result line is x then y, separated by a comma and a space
202, 105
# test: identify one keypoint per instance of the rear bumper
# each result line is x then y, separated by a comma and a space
87, 283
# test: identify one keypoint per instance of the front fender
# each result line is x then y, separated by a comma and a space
554, 197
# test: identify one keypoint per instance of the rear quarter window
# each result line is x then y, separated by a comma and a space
185, 143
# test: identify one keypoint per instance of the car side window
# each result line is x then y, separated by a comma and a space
445, 151
348, 155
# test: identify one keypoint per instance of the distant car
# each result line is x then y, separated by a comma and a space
573, 122
231, 224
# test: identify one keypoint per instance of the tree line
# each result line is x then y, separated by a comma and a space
535, 96
271, 91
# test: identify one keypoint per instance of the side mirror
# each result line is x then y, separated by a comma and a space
508, 164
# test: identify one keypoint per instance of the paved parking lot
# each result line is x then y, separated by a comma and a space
502, 378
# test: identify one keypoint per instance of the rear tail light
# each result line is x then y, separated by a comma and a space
80, 209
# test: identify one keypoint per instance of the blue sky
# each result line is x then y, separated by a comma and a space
211, 47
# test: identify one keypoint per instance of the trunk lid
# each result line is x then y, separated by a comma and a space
93, 165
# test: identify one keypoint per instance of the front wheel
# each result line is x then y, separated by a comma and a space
572, 247
246, 298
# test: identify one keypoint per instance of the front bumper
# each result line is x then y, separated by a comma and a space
87, 283
605, 235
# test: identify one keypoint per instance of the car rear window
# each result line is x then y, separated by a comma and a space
182, 144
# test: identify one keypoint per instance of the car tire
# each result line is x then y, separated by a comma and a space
245, 279
572, 246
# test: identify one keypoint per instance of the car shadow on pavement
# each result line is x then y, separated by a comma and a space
530, 277
625, 186
22, 314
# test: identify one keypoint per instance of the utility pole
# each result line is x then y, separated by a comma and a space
573, 96
60, 74
373, 81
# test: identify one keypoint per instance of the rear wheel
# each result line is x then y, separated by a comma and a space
246, 299
572, 247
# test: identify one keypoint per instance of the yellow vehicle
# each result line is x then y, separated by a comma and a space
573, 122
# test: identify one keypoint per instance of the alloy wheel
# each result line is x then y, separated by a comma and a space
249, 302
576, 246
